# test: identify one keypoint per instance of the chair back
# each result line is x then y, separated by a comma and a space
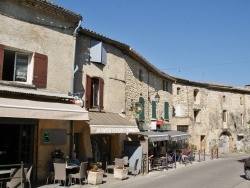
136, 163
60, 171
125, 160
119, 162
28, 173
15, 175
83, 169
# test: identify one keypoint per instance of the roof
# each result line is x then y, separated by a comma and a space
126, 49
51, 8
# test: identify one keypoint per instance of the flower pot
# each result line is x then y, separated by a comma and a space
120, 173
95, 177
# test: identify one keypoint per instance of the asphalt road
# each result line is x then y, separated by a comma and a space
225, 172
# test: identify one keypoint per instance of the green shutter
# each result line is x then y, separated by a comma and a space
141, 115
153, 109
166, 111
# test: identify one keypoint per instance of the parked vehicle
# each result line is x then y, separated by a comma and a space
247, 168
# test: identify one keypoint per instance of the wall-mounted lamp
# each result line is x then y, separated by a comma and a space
156, 98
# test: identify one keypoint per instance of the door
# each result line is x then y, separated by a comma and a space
224, 144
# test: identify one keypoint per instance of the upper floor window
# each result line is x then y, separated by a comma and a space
224, 116
17, 66
97, 52
182, 128
140, 75
178, 91
196, 96
197, 115
94, 93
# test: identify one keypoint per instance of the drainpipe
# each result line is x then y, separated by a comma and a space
74, 55
72, 86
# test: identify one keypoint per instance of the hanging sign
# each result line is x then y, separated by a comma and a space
138, 108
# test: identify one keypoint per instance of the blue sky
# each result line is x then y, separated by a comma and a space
198, 40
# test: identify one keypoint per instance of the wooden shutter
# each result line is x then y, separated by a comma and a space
153, 109
101, 87
166, 111
88, 92
40, 70
1, 60
141, 115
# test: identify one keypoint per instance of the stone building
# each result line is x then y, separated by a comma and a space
36, 65
215, 115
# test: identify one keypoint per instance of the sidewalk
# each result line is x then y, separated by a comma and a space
109, 179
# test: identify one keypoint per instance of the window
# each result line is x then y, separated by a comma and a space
140, 75
153, 109
97, 52
196, 96
182, 128
15, 66
94, 93
178, 91
166, 111
224, 116
197, 116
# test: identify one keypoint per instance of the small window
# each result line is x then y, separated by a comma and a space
182, 128
197, 116
178, 91
94, 93
140, 75
97, 52
163, 85
224, 116
196, 96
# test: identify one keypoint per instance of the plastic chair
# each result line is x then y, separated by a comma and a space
28, 176
80, 175
134, 167
60, 172
118, 162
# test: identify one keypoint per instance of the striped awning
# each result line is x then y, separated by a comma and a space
23, 108
110, 123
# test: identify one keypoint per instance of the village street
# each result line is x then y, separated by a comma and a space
226, 172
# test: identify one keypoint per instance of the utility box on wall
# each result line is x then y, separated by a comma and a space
54, 136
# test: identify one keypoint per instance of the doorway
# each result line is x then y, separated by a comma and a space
224, 143
16, 143
202, 142
101, 148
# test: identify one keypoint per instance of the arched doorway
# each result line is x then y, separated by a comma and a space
224, 142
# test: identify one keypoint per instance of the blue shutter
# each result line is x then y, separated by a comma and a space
141, 115
97, 52
153, 109
166, 111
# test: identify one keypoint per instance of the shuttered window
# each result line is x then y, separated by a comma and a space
94, 93
40, 70
141, 115
154, 109
166, 110
98, 52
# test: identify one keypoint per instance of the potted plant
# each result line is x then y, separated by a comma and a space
120, 172
95, 174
